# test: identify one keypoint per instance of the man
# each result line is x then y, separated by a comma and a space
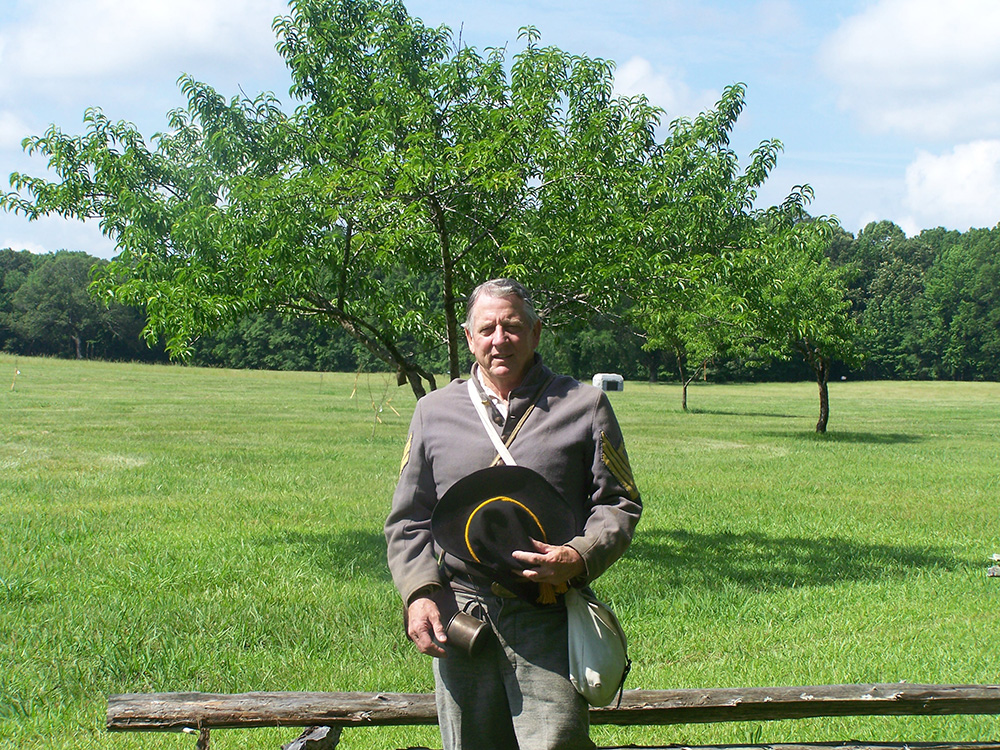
515, 693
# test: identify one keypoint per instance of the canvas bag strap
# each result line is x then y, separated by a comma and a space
502, 453
481, 411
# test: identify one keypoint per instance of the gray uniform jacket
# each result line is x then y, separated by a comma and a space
571, 437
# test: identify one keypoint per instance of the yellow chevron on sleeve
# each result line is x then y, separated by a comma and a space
406, 454
616, 459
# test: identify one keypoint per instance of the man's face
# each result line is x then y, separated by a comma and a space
502, 341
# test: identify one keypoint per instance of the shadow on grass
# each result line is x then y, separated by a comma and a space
867, 438
352, 554
761, 562
849, 438
770, 415
678, 558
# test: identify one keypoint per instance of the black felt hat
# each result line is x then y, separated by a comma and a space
490, 513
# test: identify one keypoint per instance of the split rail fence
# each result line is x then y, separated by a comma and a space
327, 714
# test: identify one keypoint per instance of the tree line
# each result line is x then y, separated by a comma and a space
928, 307
46, 309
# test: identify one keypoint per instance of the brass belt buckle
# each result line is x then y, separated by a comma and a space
500, 591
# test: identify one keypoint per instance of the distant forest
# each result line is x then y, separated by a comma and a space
929, 308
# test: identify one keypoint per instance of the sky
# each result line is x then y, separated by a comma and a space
888, 109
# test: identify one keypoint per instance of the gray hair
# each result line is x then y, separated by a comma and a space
499, 288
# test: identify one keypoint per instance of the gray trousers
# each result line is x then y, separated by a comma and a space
515, 694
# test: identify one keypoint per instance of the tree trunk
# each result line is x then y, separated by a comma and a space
822, 368
413, 377
379, 345
682, 371
406, 372
76, 343
684, 389
820, 365
448, 292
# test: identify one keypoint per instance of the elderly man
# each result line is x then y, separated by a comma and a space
515, 692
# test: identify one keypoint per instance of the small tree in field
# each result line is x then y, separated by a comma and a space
799, 303
701, 265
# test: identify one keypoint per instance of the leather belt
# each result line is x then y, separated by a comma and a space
479, 584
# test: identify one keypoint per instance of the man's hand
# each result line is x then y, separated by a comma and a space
423, 626
550, 564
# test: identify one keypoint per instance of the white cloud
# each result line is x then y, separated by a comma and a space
18, 245
51, 233
921, 67
957, 190
67, 40
663, 89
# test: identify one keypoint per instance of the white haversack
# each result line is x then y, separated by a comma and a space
598, 648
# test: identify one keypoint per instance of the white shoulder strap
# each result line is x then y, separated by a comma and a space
481, 411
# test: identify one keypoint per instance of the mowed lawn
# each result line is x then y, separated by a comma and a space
177, 529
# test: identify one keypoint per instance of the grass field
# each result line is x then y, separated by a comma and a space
174, 529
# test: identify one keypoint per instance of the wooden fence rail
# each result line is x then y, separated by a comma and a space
204, 711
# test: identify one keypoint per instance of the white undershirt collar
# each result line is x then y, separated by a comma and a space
493, 396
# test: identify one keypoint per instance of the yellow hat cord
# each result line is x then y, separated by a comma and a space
502, 498
547, 592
